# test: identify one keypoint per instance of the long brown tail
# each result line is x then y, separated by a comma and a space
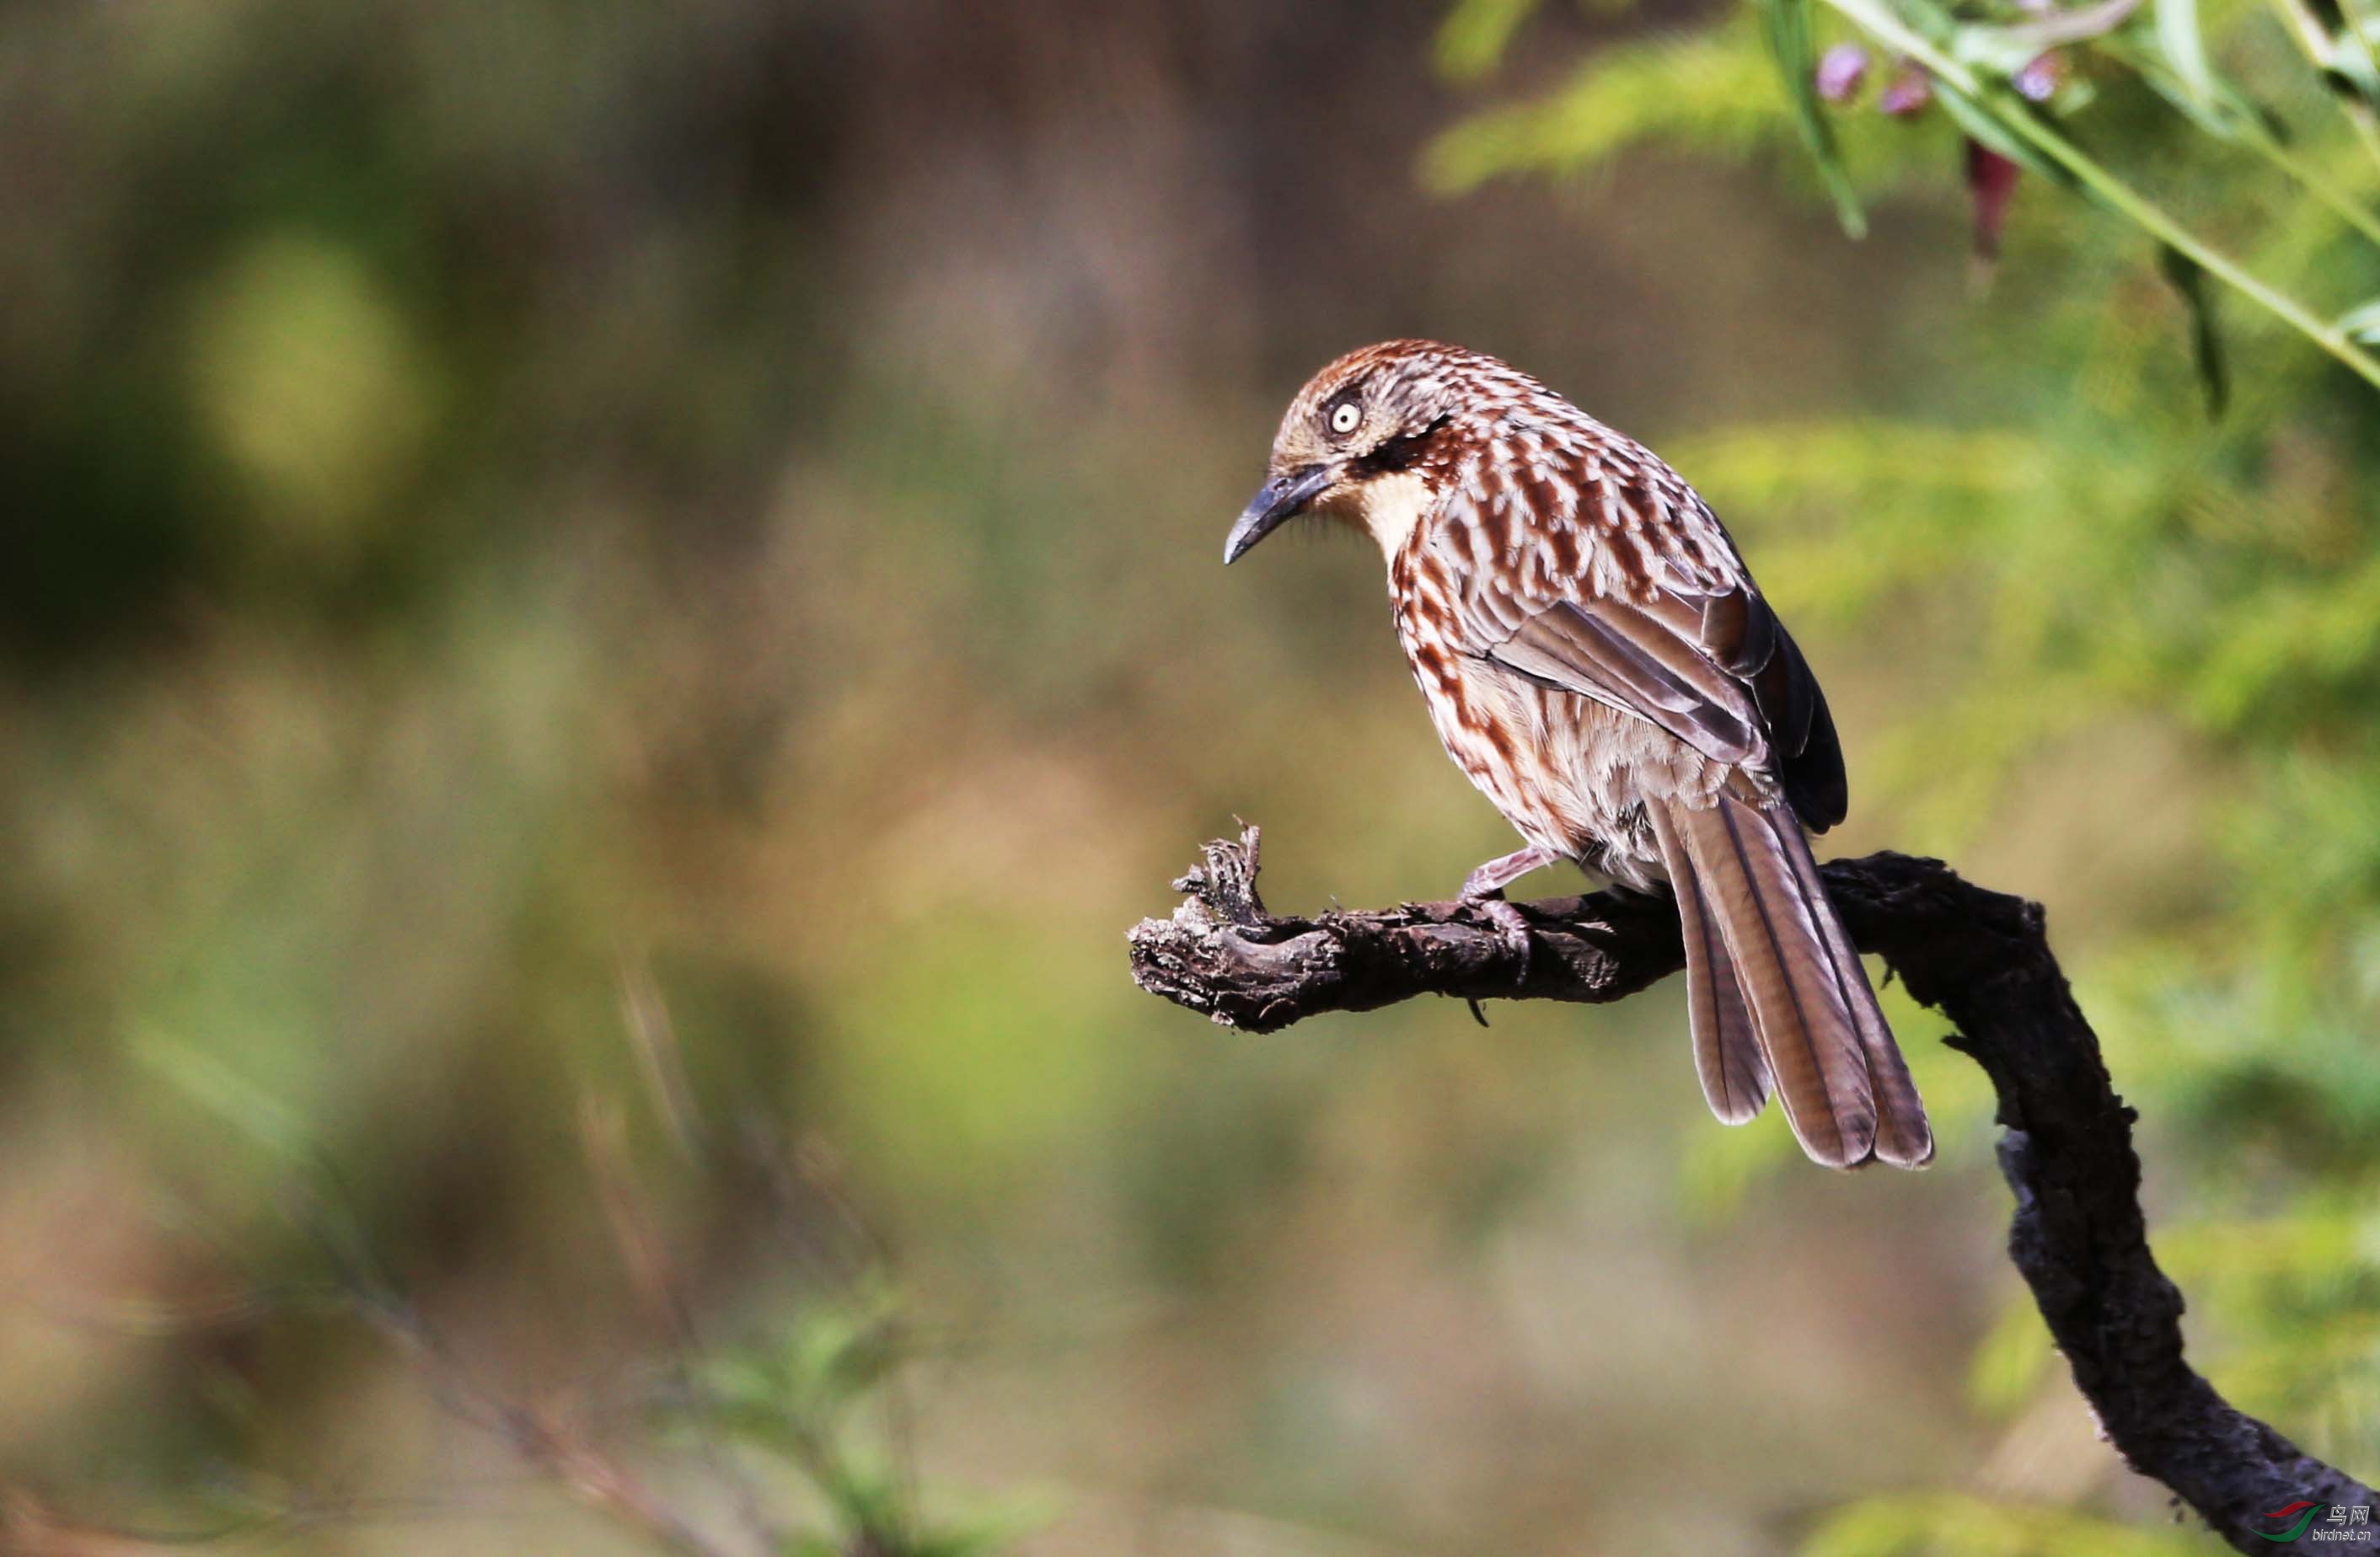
1775, 990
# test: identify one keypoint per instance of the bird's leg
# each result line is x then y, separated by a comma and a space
1490, 880
1484, 890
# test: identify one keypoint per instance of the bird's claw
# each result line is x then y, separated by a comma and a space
1512, 928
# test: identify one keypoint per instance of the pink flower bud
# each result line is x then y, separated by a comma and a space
1991, 179
1842, 71
1908, 92
2041, 76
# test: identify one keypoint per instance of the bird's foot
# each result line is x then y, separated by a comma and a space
1484, 890
1512, 928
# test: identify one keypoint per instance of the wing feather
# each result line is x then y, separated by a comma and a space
1687, 642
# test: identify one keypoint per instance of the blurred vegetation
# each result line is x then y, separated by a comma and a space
608, 598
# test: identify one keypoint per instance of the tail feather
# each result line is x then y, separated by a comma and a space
1903, 1137
1813, 1030
1803, 1029
1727, 1053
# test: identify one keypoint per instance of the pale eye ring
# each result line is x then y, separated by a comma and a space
1345, 416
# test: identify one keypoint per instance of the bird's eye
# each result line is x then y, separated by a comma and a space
1345, 416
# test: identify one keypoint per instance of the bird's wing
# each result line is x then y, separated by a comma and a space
1607, 576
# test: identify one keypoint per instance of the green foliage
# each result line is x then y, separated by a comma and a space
1472, 38
1973, 57
1945, 1524
793, 1397
1707, 92
2013, 1361
790, 1394
1785, 27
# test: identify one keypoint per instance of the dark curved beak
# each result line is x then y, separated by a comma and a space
1277, 501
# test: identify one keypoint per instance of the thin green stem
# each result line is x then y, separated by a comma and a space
1881, 21
2315, 41
2345, 207
2314, 182
2362, 20
2248, 130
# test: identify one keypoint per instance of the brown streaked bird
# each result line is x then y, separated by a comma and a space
1596, 657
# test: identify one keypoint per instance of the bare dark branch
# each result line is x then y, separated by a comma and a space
1980, 958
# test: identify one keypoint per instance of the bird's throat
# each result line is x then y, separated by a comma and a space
1388, 506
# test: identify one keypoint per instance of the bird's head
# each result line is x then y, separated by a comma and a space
1366, 442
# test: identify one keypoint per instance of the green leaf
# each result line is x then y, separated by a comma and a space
2004, 51
2222, 110
1932, 20
2362, 322
1474, 35
1785, 24
2185, 46
2350, 68
2206, 345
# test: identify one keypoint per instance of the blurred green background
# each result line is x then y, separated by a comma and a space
612, 609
